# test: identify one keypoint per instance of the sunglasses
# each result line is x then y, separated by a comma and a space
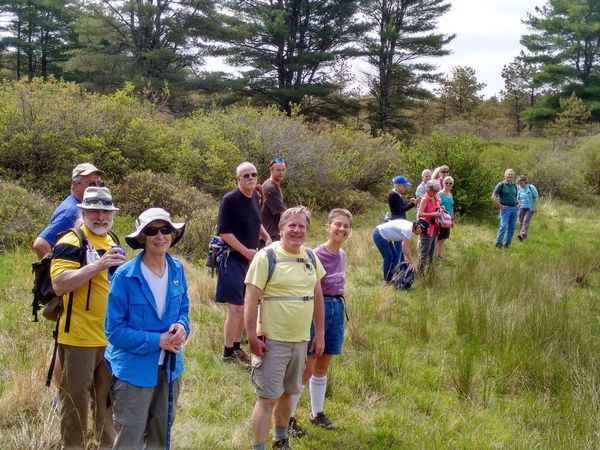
277, 160
248, 175
97, 201
449, 183
444, 171
153, 231
93, 183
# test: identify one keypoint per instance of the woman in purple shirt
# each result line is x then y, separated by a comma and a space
333, 258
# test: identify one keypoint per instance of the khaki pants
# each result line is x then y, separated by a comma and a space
85, 382
140, 413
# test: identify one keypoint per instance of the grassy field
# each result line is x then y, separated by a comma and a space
493, 349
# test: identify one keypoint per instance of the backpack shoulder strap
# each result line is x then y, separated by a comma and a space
272, 261
114, 237
311, 256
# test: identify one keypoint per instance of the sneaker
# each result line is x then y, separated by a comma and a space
499, 246
294, 428
281, 444
242, 357
322, 420
520, 237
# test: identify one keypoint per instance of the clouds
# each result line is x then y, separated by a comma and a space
487, 37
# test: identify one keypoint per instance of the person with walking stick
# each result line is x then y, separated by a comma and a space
146, 325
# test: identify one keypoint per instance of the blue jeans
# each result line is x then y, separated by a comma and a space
389, 254
508, 220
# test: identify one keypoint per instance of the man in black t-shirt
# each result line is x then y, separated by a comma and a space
240, 227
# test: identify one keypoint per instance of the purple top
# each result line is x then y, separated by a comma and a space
334, 281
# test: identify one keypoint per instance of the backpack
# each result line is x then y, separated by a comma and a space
216, 249
273, 260
403, 276
44, 297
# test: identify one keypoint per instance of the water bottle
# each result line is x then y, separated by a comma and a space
111, 270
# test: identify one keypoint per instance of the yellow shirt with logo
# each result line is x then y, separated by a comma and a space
86, 327
286, 321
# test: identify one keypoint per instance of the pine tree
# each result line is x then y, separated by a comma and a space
401, 31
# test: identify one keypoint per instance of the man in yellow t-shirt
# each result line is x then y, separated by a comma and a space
279, 331
81, 338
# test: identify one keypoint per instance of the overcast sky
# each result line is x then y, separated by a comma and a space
487, 37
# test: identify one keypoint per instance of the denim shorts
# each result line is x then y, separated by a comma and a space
230, 284
334, 326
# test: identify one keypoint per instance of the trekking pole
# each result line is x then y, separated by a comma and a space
172, 359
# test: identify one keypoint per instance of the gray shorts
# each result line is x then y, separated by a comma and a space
280, 369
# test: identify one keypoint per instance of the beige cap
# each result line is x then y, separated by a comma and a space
85, 169
97, 198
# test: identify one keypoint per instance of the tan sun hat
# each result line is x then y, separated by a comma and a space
148, 216
85, 169
97, 198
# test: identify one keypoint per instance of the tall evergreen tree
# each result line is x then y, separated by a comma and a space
565, 40
145, 41
39, 34
286, 48
401, 32
520, 88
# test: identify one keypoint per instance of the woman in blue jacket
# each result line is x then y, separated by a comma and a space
146, 323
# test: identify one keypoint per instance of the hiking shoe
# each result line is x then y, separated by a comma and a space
322, 420
499, 246
294, 428
241, 357
520, 237
281, 444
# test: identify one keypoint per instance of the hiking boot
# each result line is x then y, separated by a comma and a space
322, 420
294, 428
499, 246
241, 357
281, 444
520, 237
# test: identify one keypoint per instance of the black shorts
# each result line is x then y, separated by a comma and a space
230, 284
443, 234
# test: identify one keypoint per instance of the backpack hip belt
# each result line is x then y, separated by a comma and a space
306, 298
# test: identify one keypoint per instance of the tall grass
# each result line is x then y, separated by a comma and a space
493, 349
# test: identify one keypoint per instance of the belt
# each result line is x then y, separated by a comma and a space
339, 298
510, 206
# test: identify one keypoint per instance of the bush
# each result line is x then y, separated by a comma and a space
23, 215
198, 230
474, 176
142, 190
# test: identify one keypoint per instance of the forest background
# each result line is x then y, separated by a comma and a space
123, 85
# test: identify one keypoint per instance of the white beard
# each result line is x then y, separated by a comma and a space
98, 227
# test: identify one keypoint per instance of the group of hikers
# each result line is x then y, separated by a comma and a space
435, 213
123, 323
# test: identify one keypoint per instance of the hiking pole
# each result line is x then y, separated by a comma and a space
172, 359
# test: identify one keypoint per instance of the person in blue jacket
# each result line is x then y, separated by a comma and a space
146, 323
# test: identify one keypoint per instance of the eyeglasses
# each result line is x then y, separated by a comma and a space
248, 175
277, 160
93, 183
448, 183
97, 201
153, 231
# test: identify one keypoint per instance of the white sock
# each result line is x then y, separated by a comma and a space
318, 387
295, 400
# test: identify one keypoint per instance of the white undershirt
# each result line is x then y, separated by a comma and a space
158, 286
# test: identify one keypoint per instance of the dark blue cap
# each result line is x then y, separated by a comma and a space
399, 179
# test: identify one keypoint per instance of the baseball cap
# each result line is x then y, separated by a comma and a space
85, 169
399, 179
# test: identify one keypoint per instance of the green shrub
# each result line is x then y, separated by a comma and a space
198, 230
141, 190
23, 215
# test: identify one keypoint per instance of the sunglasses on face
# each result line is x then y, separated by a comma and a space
93, 183
153, 231
248, 175
97, 201
449, 183
444, 171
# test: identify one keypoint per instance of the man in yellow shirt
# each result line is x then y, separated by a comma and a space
82, 280
279, 331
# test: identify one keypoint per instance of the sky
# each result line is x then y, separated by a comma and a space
487, 37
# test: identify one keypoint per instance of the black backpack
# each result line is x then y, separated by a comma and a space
44, 297
403, 276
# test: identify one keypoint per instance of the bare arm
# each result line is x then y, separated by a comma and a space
408, 254
251, 298
496, 200
265, 236
41, 247
69, 280
318, 343
235, 244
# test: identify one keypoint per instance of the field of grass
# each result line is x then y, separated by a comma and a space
493, 349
